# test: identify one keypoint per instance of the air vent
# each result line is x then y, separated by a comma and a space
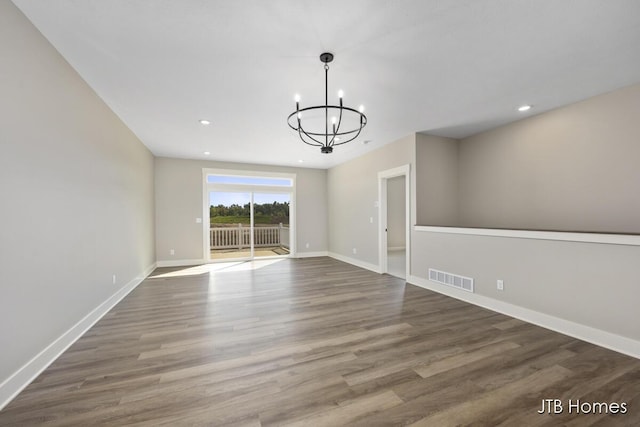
453, 280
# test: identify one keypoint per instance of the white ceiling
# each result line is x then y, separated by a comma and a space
451, 68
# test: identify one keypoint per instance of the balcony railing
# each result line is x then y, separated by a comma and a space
239, 237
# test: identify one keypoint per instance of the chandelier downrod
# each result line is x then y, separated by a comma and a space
333, 135
326, 101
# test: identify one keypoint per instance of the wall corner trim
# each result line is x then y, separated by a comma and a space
356, 262
20, 379
595, 336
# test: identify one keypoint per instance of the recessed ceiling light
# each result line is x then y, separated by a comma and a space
206, 153
366, 141
300, 161
524, 107
205, 122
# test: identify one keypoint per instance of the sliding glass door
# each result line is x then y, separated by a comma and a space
230, 225
271, 224
249, 217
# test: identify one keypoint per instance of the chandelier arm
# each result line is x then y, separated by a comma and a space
359, 129
289, 121
351, 139
309, 143
330, 143
301, 132
337, 128
310, 135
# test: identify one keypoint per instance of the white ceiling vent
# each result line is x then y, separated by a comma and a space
453, 280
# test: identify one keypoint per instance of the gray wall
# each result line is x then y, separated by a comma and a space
587, 283
77, 196
178, 195
353, 192
437, 180
396, 212
574, 168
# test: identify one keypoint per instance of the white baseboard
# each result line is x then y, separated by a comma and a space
181, 262
13, 385
191, 262
311, 254
595, 336
356, 262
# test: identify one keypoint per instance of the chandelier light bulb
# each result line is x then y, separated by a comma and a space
340, 93
333, 120
296, 97
361, 108
299, 115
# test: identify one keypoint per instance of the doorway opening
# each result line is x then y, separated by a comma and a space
396, 238
395, 232
249, 217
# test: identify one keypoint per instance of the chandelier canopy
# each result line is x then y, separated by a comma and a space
341, 124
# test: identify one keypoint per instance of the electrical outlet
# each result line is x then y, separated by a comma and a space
114, 279
500, 285
371, 219
307, 245
172, 252
355, 251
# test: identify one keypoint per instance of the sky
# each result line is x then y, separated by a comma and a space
229, 198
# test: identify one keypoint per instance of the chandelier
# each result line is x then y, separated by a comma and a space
341, 124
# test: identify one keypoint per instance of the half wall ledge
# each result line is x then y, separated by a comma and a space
602, 238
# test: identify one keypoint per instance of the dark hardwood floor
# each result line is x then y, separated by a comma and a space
316, 342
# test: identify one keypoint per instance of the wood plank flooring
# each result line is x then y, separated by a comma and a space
317, 342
